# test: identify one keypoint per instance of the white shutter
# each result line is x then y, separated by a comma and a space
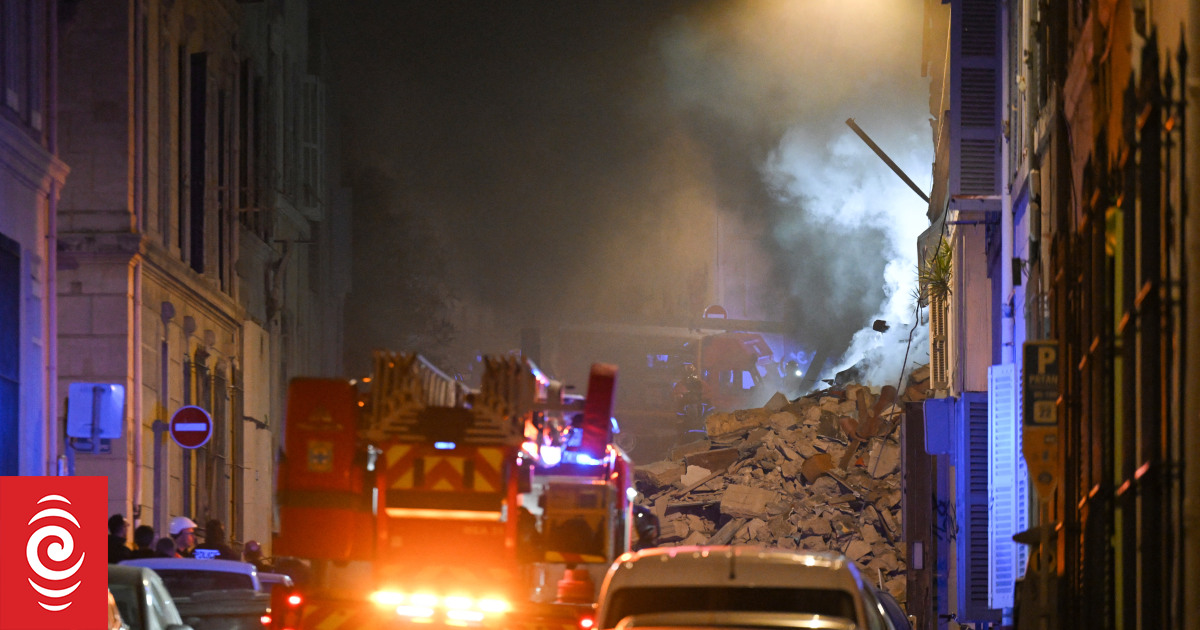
1003, 500
939, 352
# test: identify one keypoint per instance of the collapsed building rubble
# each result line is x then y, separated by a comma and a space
821, 472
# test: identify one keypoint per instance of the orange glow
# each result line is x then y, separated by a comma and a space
494, 605
414, 612
387, 598
454, 515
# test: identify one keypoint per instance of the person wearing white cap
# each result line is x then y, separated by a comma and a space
183, 531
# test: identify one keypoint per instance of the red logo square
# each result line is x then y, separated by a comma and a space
54, 553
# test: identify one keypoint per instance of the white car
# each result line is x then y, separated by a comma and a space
142, 600
271, 580
213, 594
185, 576
740, 585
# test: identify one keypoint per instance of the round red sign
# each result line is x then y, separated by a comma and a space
191, 427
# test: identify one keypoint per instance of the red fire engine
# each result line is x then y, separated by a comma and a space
413, 499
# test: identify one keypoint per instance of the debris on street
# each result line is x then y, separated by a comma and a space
820, 472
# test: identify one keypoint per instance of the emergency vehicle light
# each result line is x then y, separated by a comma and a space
424, 599
493, 605
419, 606
445, 446
551, 455
387, 598
587, 460
454, 515
414, 612
464, 615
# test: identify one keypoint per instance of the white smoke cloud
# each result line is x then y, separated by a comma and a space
782, 78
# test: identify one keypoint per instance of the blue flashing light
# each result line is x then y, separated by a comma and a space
445, 446
587, 460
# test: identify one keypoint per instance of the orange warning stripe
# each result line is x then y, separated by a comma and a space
443, 472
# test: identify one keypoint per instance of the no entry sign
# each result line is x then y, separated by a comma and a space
191, 427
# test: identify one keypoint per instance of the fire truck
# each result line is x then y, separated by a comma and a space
409, 498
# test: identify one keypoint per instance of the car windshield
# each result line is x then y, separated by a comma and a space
185, 582
639, 601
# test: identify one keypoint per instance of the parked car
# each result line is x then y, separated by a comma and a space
892, 608
114, 614
270, 581
740, 582
213, 594
184, 576
142, 599
707, 620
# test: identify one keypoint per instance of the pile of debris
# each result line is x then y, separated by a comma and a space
821, 472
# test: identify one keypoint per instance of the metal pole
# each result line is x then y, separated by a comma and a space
887, 160
1191, 306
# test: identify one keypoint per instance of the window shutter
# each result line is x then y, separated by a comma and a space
1002, 485
971, 483
939, 349
975, 131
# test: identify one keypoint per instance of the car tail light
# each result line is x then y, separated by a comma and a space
586, 623
265, 620
294, 600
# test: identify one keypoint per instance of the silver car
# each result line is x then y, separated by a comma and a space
142, 599
740, 582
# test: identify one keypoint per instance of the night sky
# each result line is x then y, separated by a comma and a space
519, 164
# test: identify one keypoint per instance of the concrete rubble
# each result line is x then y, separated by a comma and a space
820, 472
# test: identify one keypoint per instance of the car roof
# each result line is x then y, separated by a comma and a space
729, 566
125, 574
194, 564
273, 578
732, 565
711, 620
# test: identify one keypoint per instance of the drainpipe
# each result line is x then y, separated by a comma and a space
1191, 395
54, 447
139, 225
1006, 222
137, 407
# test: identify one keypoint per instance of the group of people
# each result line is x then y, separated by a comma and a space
179, 543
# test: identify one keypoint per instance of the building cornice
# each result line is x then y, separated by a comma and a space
76, 250
28, 160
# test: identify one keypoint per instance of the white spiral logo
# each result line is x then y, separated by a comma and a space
59, 550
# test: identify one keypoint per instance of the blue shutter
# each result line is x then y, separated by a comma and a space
1002, 485
971, 489
975, 132
939, 424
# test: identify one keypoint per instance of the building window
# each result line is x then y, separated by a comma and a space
197, 173
10, 353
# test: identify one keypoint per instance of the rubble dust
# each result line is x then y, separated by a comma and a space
821, 472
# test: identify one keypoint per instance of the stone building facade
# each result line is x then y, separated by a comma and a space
200, 242
31, 177
1082, 117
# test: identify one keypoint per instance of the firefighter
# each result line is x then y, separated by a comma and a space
689, 395
793, 376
